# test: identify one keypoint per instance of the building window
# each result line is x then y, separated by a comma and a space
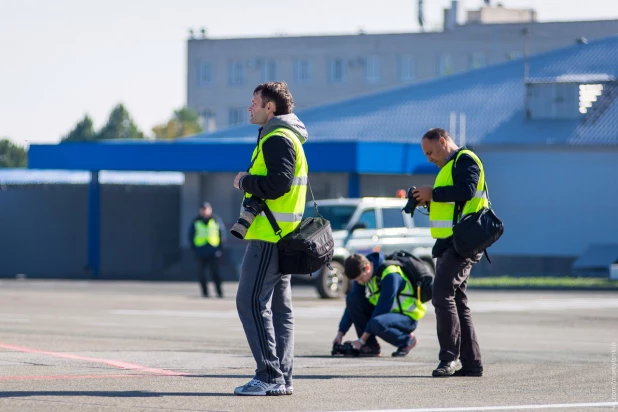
206, 74
236, 73
208, 120
588, 94
269, 71
477, 60
445, 65
373, 69
236, 116
302, 71
336, 70
407, 68
514, 55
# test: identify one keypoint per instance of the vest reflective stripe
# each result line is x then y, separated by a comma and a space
289, 208
441, 213
441, 223
405, 302
206, 234
300, 181
286, 217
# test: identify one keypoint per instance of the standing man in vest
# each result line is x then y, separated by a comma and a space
457, 190
278, 175
382, 303
206, 239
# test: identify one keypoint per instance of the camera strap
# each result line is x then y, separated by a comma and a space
273, 221
459, 206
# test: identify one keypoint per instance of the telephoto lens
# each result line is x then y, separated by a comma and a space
239, 229
252, 206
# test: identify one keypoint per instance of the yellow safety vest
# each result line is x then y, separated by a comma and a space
287, 209
441, 213
405, 302
206, 233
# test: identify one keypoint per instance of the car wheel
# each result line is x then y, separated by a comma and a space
333, 284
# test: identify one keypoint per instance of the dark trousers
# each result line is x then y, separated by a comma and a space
212, 263
394, 328
455, 329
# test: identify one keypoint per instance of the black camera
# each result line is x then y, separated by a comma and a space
345, 349
252, 206
412, 202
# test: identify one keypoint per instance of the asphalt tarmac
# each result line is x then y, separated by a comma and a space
139, 346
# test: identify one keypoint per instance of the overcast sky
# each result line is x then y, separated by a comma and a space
62, 59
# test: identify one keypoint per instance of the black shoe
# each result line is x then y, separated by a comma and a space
446, 368
404, 350
369, 351
464, 371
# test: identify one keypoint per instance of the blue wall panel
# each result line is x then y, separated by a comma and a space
554, 203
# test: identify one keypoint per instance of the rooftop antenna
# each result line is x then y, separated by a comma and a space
421, 18
526, 32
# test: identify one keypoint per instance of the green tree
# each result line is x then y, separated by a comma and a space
12, 155
120, 126
184, 122
83, 132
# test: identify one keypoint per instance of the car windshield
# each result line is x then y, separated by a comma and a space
338, 215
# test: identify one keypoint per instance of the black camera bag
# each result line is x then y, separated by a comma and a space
307, 248
475, 232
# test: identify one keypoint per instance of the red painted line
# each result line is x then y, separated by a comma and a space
113, 363
27, 378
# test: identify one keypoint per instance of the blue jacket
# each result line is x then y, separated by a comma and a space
390, 286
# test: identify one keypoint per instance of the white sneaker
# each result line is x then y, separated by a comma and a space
278, 390
256, 387
289, 389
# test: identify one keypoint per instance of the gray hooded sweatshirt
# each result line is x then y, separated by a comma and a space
280, 159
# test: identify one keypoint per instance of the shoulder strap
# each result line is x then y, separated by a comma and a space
459, 205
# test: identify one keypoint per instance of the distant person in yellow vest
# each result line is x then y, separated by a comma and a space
206, 238
277, 175
461, 192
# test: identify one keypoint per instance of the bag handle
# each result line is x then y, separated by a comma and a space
267, 211
459, 206
273, 221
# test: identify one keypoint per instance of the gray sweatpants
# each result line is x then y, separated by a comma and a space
264, 303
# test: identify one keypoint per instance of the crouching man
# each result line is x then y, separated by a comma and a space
382, 303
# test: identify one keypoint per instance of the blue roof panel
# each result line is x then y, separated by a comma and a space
491, 98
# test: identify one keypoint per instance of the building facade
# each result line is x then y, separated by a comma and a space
221, 73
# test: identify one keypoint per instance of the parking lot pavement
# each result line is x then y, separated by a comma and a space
142, 346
